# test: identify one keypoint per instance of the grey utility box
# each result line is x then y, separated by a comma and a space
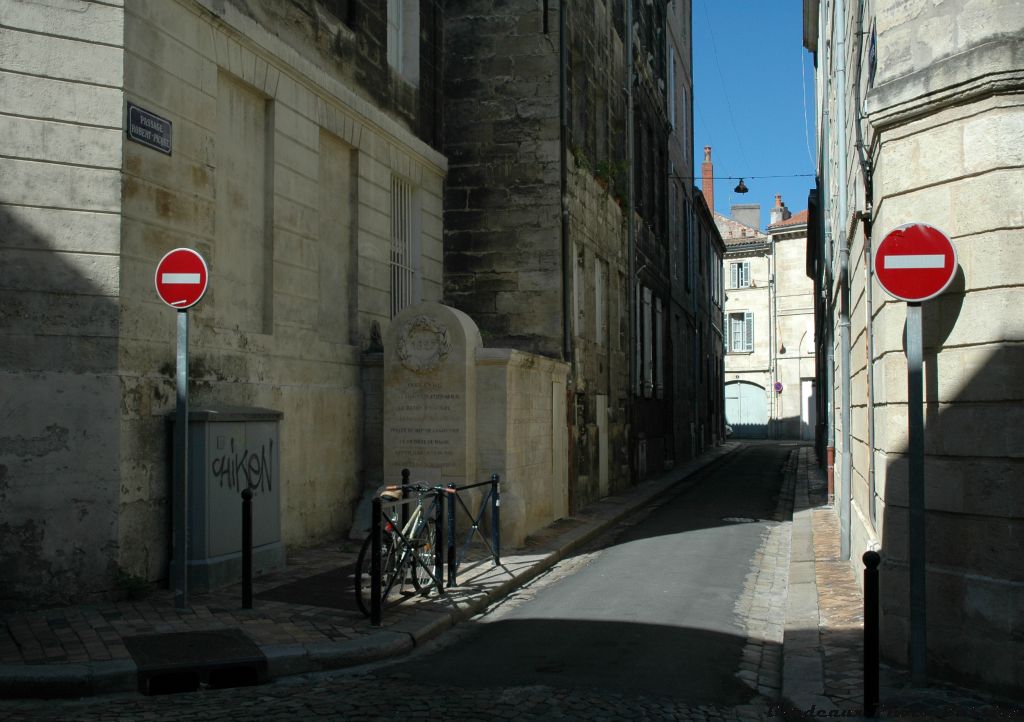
230, 449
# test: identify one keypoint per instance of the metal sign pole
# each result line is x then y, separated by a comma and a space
915, 482
181, 469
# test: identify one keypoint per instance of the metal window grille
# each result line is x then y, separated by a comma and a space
403, 262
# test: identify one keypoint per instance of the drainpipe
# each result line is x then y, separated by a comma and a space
563, 136
844, 283
866, 218
567, 260
630, 228
773, 341
828, 326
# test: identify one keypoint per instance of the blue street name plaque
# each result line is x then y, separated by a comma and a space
148, 129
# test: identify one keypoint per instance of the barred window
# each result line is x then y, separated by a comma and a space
404, 251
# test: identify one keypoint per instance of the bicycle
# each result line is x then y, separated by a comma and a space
407, 550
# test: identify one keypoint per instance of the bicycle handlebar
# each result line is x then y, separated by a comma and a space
393, 492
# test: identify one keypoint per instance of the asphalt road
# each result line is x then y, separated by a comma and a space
654, 613
646, 624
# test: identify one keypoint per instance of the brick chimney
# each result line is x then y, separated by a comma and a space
779, 212
707, 183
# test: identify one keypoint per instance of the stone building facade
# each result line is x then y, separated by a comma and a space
562, 236
793, 333
747, 272
300, 160
304, 150
769, 327
920, 116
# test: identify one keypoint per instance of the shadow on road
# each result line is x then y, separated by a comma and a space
626, 658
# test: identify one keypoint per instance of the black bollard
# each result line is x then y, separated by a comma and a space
871, 561
376, 531
439, 547
247, 549
450, 536
496, 517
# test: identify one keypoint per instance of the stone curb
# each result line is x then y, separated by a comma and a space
803, 664
95, 678
67, 680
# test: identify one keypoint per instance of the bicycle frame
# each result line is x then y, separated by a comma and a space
401, 540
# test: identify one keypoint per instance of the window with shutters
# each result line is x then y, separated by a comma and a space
739, 274
739, 336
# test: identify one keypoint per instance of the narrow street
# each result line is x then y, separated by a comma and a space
674, 615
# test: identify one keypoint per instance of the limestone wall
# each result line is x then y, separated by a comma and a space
794, 342
522, 437
944, 122
282, 177
61, 104
280, 172
455, 412
957, 170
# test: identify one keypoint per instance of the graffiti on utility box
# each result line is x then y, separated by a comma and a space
245, 468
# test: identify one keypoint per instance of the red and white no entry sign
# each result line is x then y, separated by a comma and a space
181, 278
915, 262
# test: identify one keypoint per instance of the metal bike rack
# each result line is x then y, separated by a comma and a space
382, 511
493, 496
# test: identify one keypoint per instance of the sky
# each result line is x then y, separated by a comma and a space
753, 88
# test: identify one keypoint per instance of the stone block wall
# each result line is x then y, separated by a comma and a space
794, 330
280, 173
521, 436
281, 177
600, 327
944, 119
61, 70
502, 200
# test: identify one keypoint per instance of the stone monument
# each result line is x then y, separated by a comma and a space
429, 395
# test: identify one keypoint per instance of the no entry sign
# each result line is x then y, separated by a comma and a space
915, 262
181, 278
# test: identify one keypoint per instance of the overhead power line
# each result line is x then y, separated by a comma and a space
744, 177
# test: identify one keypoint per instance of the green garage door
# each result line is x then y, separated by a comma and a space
746, 410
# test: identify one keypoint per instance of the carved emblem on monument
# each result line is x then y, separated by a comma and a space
423, 344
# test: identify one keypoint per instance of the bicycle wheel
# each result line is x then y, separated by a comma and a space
362, 581
425, 545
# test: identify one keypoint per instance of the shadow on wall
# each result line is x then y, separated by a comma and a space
974, 504
59, 443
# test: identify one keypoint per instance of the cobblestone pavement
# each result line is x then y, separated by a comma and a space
762, 604
93, 635
95, 632
380, 693
838, 642
370, 697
